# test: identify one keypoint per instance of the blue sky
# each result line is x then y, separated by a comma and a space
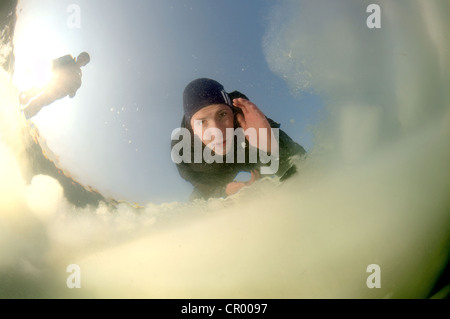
115, 134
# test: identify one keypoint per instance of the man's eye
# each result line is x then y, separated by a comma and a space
223, 115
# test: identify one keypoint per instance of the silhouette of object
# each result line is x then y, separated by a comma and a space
66, 81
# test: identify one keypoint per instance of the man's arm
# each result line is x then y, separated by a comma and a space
234, 187
287, 148
75, 82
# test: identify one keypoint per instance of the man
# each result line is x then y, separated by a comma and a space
66, 80
208, 106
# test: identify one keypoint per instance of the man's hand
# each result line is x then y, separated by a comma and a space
253, 117
234, 187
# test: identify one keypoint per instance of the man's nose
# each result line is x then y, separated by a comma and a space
219, 126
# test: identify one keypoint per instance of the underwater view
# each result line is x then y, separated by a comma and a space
93, 205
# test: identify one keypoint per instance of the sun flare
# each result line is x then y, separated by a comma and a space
35, 46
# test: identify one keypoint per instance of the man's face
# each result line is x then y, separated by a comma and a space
216, 116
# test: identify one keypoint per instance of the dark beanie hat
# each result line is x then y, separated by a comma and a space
200, 93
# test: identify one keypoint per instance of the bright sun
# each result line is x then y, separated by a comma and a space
34, 53
36, 43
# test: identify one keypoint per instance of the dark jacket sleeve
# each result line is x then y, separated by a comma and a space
287, 149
